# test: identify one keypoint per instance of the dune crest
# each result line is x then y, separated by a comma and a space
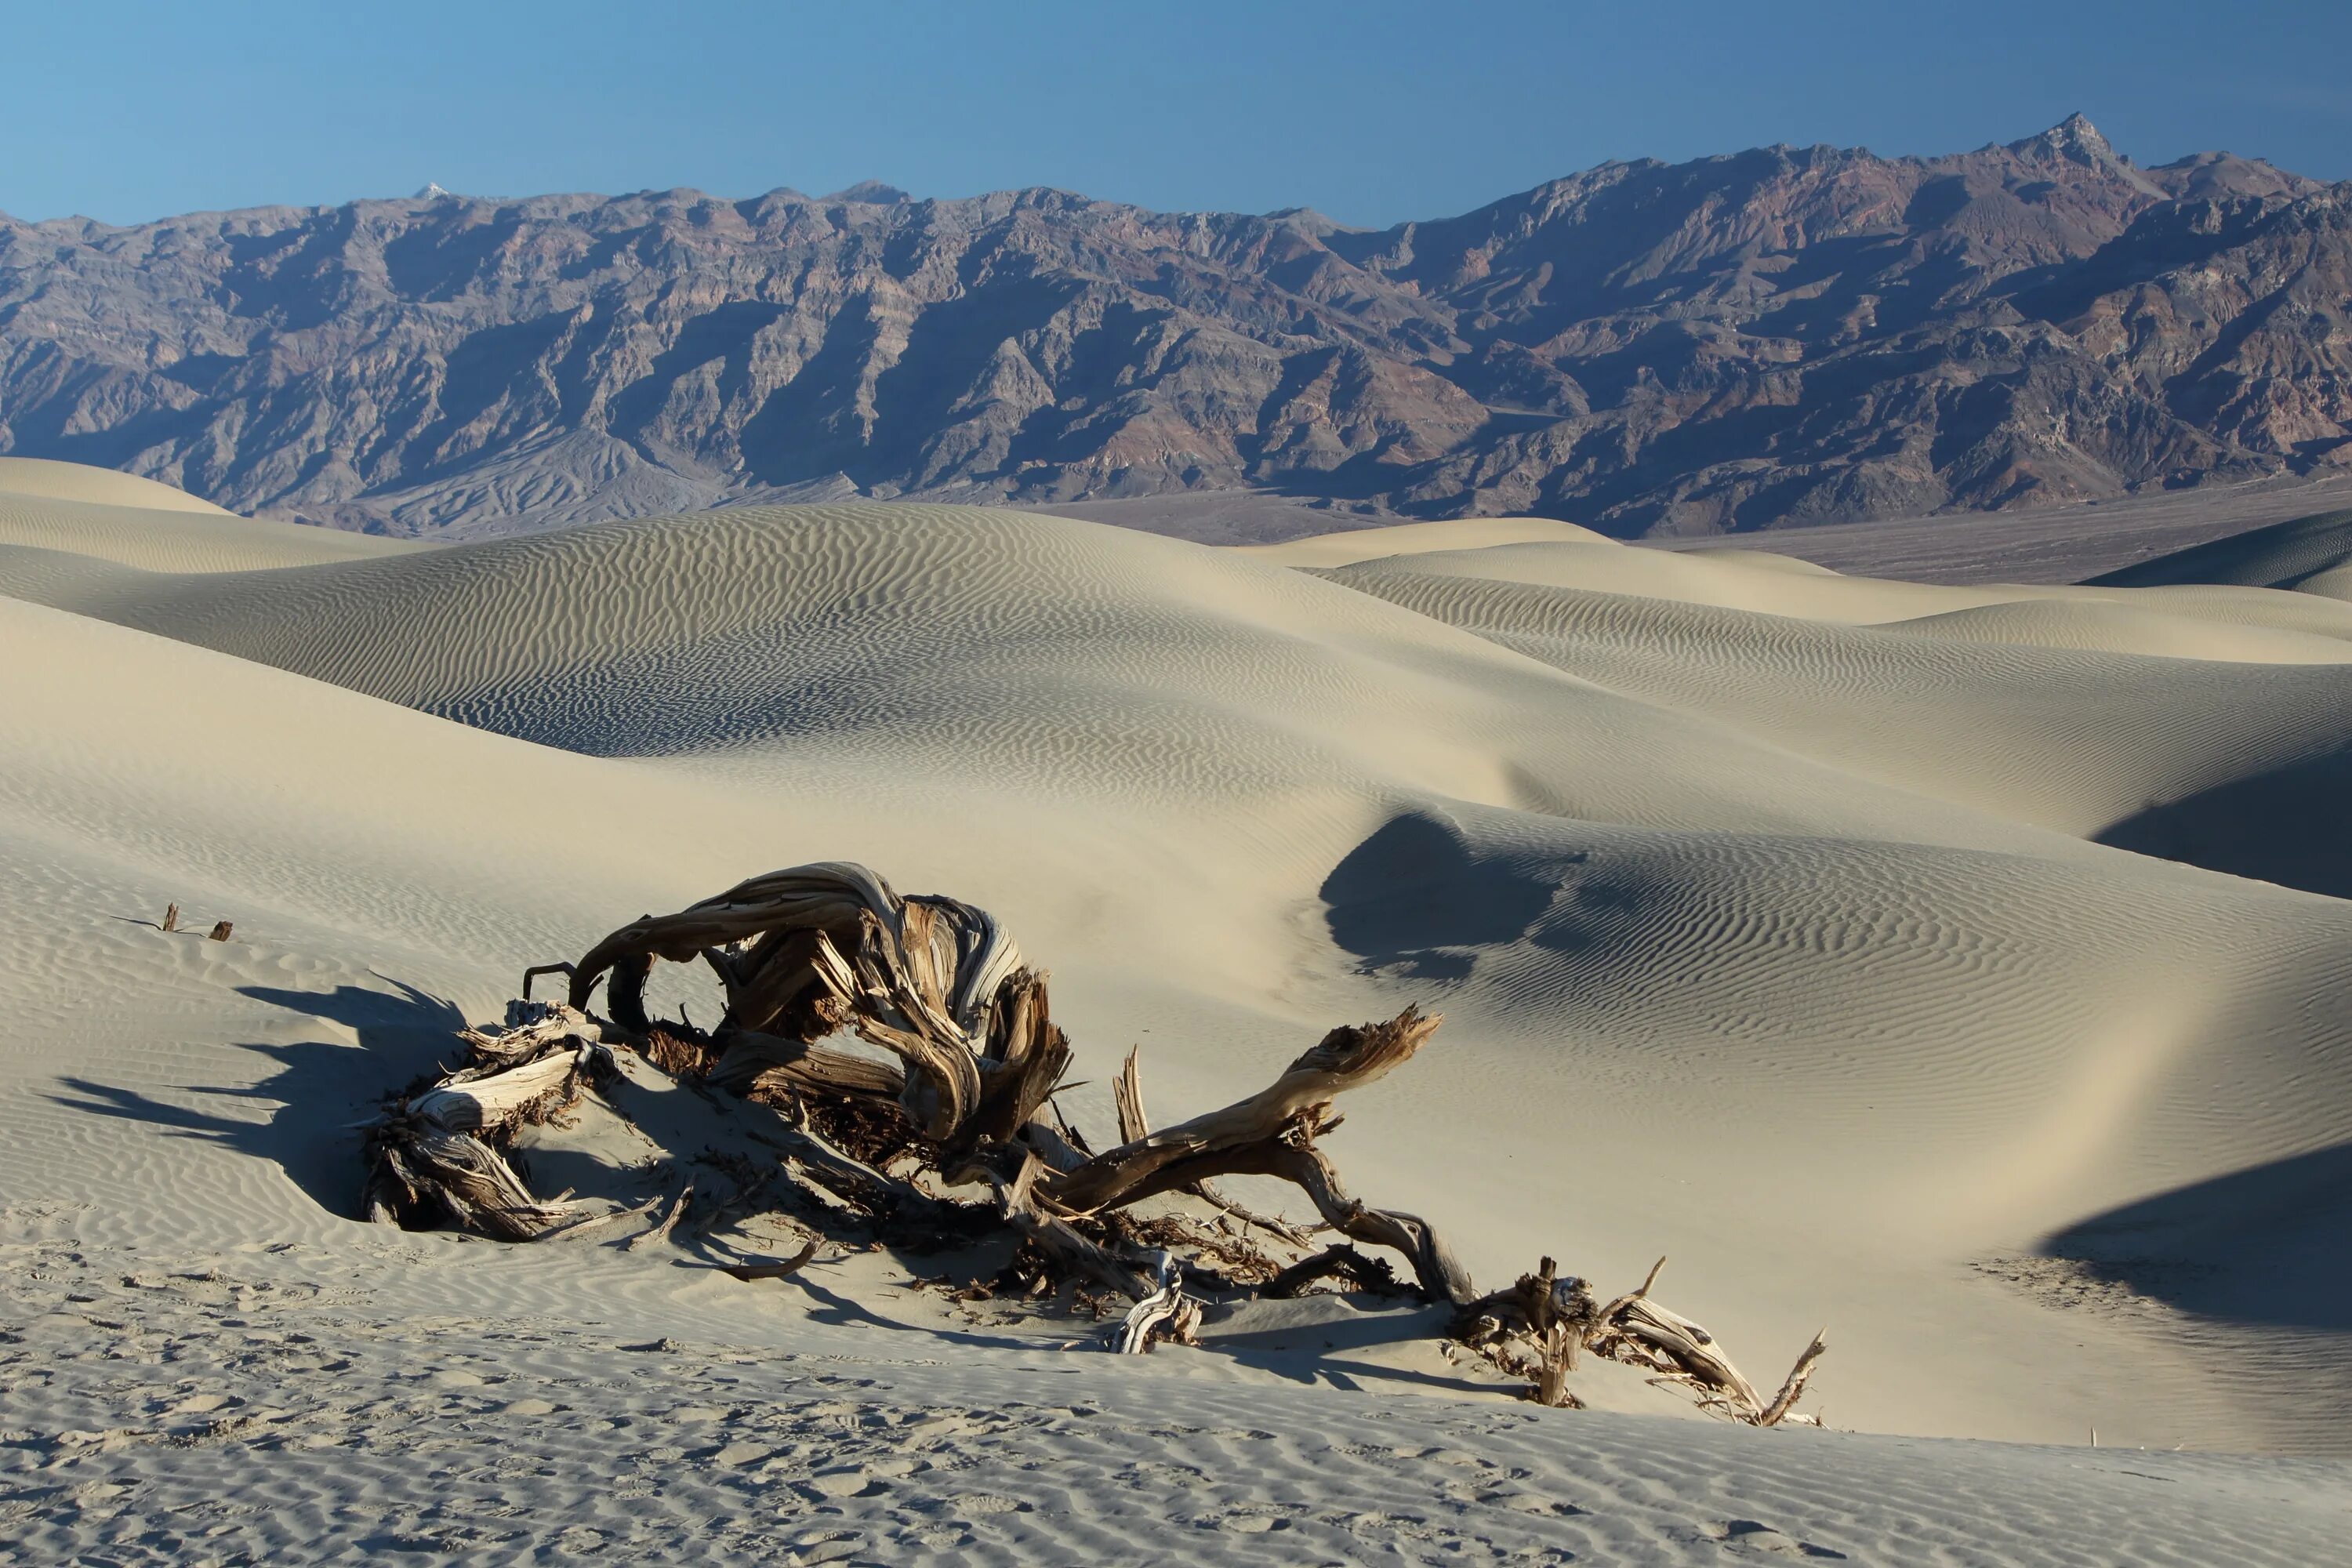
48, 479
100, 515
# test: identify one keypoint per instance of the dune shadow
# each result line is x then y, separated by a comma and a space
1418, 900
2277, 555
318, 1089
2262, 1246
1326, 1350
2284, 827
831, 1307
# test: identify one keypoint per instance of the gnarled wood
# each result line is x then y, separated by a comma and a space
962, 1096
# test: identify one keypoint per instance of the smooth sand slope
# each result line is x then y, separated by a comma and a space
1418, 538
2093, 712
131, 522
41, 479
1800, 965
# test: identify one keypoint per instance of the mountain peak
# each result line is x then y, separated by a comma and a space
2077, 128
2074, 139
431, 192
873, 193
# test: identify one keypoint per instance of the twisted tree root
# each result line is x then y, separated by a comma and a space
963, 1091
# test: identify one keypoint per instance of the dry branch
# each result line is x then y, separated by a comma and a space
668, 1221
1135, 1126
1365, 1273
1243, 1135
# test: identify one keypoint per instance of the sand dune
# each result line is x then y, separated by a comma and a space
1412, 538
2159, 630
106, 516
1771, 931
1782, 585
995, 646
2308, 554
49, 481
2072, 739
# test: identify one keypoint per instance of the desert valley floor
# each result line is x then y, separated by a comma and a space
1966, 968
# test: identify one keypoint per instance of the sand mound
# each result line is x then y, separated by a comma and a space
2308, 554
89, 513
49, 480
2157, 630
2178, 622
995, 644
1411, 538
1792, 923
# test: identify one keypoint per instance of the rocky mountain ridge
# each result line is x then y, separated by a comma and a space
1775, 337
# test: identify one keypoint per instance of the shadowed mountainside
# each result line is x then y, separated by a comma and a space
1774, 337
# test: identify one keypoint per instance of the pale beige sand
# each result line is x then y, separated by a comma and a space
2209, 617
1853, 1021
1411, 538
50, 481
110, 518
2071, 541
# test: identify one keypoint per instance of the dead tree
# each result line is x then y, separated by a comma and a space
963, 1090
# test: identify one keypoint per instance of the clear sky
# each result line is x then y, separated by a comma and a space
1372, 110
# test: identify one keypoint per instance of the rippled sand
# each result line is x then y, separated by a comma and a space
1768, 910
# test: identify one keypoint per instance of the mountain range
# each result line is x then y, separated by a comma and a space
1770, 338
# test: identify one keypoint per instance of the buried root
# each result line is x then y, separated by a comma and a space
945, 1133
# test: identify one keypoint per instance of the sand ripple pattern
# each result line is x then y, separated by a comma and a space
176, 1410
2072, 739
1783, 919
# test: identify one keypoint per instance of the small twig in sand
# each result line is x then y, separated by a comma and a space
661, 1232
773, 1268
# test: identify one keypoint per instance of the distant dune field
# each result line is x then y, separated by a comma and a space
1967, 967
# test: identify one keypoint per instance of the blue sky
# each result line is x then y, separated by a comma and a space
1372, 110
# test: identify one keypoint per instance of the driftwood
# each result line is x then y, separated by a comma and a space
437, 1154
1555, 1316
1135, 1126
1168, 1313
956, 1092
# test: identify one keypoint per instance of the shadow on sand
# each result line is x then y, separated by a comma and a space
1416, 898
318, 1089
2262, 1246
2283, 826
